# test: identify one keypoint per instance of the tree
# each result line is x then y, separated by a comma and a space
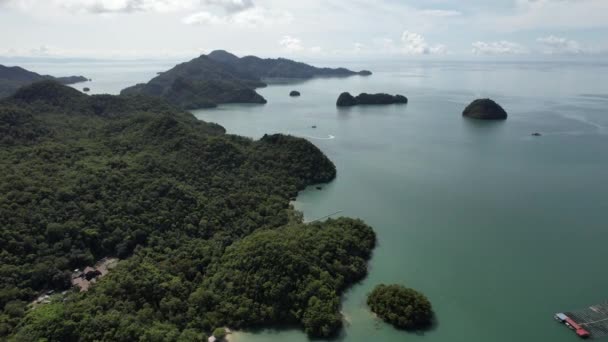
219, 333
400, 306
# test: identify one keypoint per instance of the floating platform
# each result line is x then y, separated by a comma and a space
591, 322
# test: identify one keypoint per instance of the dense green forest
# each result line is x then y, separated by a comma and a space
400, 306
198, 216
222, 77
263, 68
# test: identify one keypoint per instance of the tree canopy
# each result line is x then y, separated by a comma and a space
400, 306
199, 218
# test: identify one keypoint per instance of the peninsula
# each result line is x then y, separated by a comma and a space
12, 78
187, 209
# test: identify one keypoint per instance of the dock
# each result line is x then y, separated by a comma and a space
591, 322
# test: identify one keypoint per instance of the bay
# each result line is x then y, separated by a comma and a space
498, 228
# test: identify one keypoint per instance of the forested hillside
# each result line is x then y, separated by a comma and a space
198, 217
222, 77
12, 78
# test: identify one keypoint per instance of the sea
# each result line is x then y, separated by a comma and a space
499, 228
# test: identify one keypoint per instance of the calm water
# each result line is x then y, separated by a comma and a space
500, 229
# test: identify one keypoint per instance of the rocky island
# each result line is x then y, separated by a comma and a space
485, 109
294, 93
12, 78
347, 100
400, 306
222, 77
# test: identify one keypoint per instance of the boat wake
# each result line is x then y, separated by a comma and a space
329, 137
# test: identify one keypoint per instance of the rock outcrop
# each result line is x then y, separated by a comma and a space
347, 100
485, 109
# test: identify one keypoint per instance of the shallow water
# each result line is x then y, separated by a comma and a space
498, 228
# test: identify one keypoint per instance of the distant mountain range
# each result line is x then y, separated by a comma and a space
222, 77
13, 78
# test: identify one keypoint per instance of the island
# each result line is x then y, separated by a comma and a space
279, 68
347, 100
185, 207
294, 93
12, 78
221, 77
485, 109
400, 306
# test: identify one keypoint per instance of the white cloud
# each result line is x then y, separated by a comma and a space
440, 13
415, 44
552, 14
260, 16
203, 18
253, 17
231, 6
133, 6
291, 44
498, 48
557, 45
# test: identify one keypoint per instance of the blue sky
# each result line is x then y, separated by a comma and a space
520, 29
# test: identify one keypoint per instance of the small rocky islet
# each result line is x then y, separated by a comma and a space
348, 100
485, 109
295, 93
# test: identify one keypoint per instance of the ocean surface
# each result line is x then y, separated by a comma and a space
498, 228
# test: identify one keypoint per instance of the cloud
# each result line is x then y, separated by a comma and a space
252, 18
202, 18
498, 48
291, 44
415, 44
134, 6
231, 6
552, 14
440, 13
557, 46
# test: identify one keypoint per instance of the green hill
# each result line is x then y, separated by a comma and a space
278, 68
13, 78
222, 77
185, 206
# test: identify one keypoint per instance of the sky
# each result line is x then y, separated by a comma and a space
421, 29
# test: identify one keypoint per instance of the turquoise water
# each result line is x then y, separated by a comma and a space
498, 228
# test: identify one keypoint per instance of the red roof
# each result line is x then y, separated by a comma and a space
582, 332
574, 324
